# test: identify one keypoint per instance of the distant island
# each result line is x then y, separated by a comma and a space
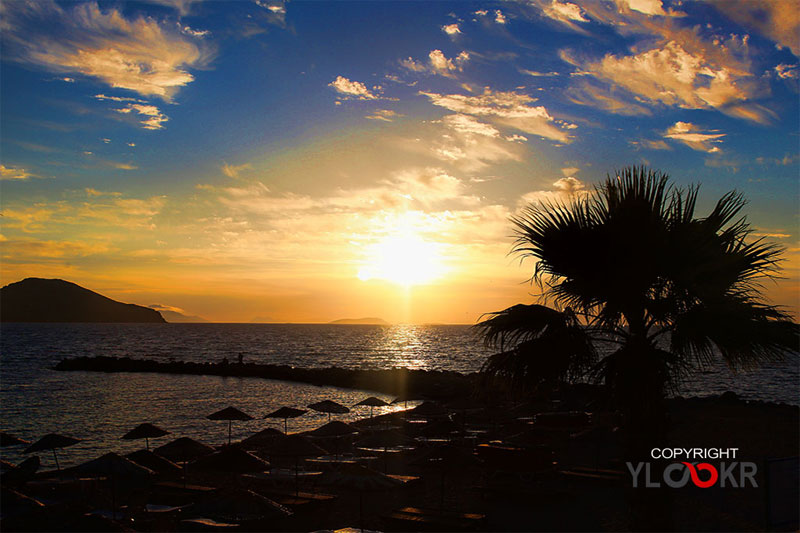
370, 320
173, 315
56, 300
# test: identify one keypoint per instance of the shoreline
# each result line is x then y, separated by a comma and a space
430, 383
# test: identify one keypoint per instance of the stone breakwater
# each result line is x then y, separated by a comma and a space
431, 383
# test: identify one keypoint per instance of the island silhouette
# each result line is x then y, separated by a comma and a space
367, 321
57, 300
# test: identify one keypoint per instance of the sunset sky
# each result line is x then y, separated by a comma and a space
302, 162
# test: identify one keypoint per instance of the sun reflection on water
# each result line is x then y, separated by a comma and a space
403, 345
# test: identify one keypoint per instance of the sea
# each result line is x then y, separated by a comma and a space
99, 408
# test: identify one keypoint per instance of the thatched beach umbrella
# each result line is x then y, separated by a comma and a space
297, 447
184, 450
116, 467
231, 459
286, 413
333, 430
145, 431
373, 402
154, 462
52, 441
329, 406
7, 439
263, 439
359, 478
384, 439
230, 414
406, 397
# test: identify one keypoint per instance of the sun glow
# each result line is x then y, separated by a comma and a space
405, 259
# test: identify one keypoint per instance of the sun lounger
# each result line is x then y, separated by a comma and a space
417, 519
404, 479
206, 524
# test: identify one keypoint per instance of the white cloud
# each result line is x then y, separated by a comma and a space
499, 17
151, 118
671, 75
354, 89
198, 34
564, 12
451, 29
648, 7
693, 137
437, 63
786, 72
507, 108
564, 189
139, 54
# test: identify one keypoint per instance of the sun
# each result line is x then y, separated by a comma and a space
405, 259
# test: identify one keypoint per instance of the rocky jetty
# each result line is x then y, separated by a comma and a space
430, 383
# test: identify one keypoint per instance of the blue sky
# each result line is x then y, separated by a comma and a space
242, 160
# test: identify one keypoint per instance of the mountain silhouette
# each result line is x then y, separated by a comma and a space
56, 300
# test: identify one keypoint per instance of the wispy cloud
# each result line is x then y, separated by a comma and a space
777, 20
138, 54
182, 6
471, 145
232, 171
536, 74
694, 137
386, 115
671, 75
511, 109
16, 173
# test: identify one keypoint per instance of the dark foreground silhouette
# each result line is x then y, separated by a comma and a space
56, 300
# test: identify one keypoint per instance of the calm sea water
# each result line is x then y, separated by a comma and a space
99, 408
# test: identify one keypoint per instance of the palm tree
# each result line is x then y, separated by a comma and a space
642, 292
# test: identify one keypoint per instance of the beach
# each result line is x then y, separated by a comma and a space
553, 463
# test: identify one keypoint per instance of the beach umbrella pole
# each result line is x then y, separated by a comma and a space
296, 475
361, 509
441, 496
229, 431
285, 426
147, 444
55, 456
